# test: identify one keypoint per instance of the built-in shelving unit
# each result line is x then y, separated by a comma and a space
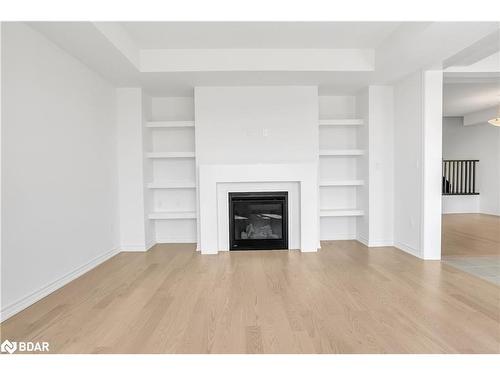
340, 154
172, 154
172, 215
340, 212
170, 124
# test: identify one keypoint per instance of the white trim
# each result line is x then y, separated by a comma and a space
171, 154
340, 237
51, 287
170, 124
170, 240
363, 240
211, 175
381, 243
334, 212
376, 243
138, 248
407, 249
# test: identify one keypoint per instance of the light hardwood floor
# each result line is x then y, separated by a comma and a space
470, 235
343, 299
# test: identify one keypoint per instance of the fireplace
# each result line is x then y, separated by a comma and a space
258, 221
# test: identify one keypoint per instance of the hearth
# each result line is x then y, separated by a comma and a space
258, 221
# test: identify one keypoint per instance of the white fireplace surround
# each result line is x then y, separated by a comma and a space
293, 189
300, 180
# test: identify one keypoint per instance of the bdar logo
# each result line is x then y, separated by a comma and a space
8, 347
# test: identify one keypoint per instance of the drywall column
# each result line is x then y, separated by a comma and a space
135, 229
381, 166
417, 164
362, 167
375, 105
432, 160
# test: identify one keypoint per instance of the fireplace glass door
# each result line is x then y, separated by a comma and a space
258, 221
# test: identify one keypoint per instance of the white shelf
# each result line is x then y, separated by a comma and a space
172, 185
170, 124
340, 212
341, 122
341, 182
349, 152
176, 154
170, 215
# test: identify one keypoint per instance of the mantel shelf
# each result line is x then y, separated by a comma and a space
174, 154
170, 124
340, 212
341, 122
172, 185
172, 215
349, 152
341, 182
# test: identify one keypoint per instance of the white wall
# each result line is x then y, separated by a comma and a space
59, 180
172, 108
461, 204
256, 124
132, 111
417, 164
381, 165
481, 142
432, 130
408, 118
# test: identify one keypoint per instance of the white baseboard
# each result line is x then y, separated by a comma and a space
340, 237
381, 243
137, 248
176, 240
375, 243
363, 240
407, 249
44, 291
491, 213
309, 250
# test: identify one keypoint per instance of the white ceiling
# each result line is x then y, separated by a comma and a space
462, 98
181, 84
159, 35
114, 50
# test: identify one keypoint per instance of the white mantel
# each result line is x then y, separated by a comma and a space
216, 180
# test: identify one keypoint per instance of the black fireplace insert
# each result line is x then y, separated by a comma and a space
258, 221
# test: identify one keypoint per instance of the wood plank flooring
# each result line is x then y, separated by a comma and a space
343, 299
470, 235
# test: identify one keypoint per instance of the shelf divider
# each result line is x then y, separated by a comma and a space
340, 212
341, 122
172, 215
170, 124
